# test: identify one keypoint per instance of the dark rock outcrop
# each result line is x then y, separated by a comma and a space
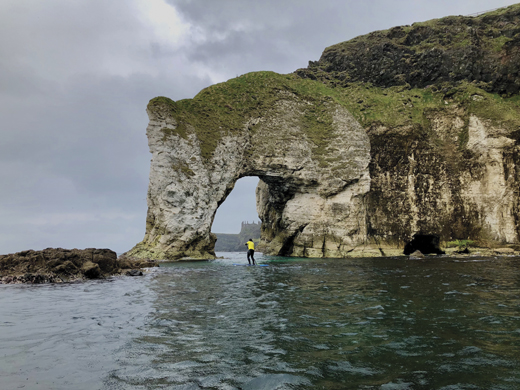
56, 265
485, 49
425, 243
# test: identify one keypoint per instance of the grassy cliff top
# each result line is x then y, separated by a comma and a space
393, 78
398, 106
225, 108
452, 49
494, 28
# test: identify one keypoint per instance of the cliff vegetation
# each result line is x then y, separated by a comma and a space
390, 77
439, 101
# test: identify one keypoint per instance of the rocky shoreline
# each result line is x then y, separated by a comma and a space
57, 265
371, 251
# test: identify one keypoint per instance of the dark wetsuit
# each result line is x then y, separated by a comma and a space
251, 252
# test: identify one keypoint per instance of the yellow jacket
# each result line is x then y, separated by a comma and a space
250, 245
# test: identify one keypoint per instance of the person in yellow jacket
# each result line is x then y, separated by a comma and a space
250, 251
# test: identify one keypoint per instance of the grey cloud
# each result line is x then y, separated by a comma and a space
74, 157
75, 78
284, 35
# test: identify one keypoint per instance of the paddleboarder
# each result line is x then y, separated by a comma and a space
250, 251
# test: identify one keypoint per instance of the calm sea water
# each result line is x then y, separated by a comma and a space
298, 324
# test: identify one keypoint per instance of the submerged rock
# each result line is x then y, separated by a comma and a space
134, 272
504, 251
56, 265
416, 255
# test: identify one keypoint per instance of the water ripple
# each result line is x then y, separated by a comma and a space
297, 324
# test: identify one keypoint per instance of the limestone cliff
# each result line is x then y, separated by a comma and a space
414, 129
310, 154
440, 103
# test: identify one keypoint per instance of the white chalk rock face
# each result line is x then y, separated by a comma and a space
456, 178
312, 160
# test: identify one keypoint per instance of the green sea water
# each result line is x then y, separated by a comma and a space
385, 323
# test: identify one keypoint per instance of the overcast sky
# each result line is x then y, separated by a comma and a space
76, 75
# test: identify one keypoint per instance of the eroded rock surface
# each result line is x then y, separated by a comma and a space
484, 49
455, 177
310, 154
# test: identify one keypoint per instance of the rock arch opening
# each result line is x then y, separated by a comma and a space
239, 206
237, 217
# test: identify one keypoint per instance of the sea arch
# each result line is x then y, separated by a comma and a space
309, 152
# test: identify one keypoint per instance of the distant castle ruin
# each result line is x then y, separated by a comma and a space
246, 223
235, 242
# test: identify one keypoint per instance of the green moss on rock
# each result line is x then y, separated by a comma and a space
450, 49
225, 108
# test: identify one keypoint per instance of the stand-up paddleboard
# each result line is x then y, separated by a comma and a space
258, 265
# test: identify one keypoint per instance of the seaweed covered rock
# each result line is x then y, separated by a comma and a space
55, 265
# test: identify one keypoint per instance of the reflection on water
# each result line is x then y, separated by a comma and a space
297, 324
